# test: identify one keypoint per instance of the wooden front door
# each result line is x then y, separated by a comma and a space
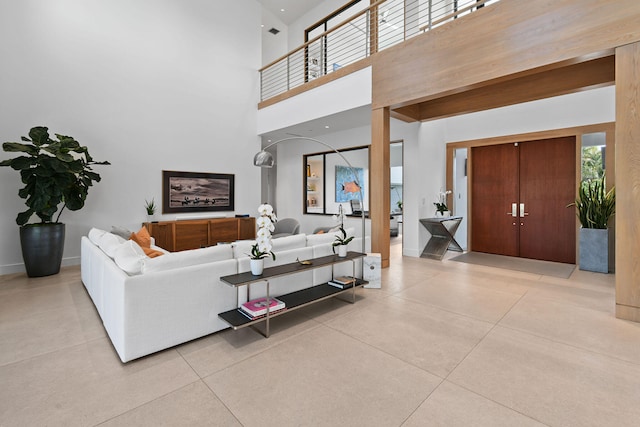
494, 187
539, 177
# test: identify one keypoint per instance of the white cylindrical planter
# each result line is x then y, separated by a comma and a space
257, 265
342, 250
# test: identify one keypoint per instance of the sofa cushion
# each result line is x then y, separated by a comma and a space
130, 257
328, 237
320, 239
289, 242
94, 235
142, 237
242, 248
109, 243
121, 231
187, 258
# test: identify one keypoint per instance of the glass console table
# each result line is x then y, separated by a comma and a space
442, 230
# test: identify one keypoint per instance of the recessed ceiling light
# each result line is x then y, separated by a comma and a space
268, 140
281, 10
326, 127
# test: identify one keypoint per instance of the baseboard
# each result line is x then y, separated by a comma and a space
11, 269
411, 252
19, 268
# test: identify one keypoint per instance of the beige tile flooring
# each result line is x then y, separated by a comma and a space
441, 344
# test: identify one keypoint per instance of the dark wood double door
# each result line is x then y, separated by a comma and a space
520, 194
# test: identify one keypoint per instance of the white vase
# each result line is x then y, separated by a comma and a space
257, 265
342, 250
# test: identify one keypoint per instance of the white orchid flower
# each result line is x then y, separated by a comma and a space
265, 210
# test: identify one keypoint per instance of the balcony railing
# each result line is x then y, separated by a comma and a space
380, 26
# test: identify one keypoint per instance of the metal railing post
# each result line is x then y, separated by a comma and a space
430, 14
289, 72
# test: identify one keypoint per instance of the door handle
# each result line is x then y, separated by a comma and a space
514, 210
522, 212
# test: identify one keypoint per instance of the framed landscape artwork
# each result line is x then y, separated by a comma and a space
197, 192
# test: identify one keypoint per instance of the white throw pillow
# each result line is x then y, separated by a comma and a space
187, 258
320, 239
94, 235
289, 242
125, 233
109, 243
130, 257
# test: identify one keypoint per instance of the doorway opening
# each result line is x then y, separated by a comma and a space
396, 196
463, 156
520, 193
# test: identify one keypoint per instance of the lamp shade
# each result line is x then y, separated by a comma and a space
264, 159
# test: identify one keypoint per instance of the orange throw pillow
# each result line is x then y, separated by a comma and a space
143, 239
152, 253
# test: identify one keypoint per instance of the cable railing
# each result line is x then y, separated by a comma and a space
382, 25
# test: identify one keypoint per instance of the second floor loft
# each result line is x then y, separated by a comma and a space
348, 43
503, 53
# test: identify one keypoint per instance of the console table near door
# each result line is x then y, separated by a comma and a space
293, 300
442, 230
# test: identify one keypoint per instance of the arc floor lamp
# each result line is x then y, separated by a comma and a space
264, 159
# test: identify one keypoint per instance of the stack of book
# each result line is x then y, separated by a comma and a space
258, 307
342, 282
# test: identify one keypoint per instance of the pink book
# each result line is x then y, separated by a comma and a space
258, 307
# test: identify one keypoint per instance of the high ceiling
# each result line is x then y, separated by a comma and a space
293, 9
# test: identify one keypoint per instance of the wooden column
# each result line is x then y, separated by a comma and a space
373, 29
628, 181
380, 185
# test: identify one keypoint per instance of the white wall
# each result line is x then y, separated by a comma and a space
460, 194
346, 93
148, 85
289, 194
273, 46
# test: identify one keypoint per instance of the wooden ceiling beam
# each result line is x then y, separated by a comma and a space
407, 114
553, 82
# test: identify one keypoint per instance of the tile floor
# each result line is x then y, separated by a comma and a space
441, 344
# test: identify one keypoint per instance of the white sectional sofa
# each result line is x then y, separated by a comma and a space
149, 304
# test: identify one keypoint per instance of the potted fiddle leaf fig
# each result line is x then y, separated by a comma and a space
594, 207
55, 171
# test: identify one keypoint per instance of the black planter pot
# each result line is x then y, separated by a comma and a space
42, 247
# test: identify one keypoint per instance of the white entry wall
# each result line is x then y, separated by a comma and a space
425, 163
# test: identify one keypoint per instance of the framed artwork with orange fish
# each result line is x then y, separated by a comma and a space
347, 188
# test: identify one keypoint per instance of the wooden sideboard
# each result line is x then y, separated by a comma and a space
198, 233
